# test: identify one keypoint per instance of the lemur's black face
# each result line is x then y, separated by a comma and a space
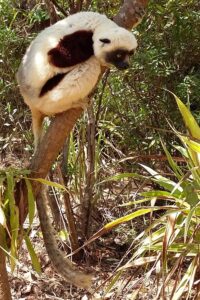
119, 58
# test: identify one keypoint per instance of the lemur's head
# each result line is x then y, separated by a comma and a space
114, 46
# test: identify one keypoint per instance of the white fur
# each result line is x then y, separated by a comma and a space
35, 69
72, 90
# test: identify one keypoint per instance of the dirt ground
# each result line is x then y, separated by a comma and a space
101, 261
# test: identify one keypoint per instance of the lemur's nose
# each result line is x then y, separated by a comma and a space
123, 65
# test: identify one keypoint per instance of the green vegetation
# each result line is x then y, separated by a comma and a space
137, 121
169, 245
167, 57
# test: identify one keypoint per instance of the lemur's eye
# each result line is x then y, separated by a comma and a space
105, 41
119, 55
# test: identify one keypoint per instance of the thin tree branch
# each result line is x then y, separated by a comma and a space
131, 13
52, 12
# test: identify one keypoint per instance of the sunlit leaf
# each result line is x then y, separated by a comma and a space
182, 150
2, 218
131, 216
195, 146
163, 181
182, 287
160, 194
139, 262
63, 234
49, 183
188, 118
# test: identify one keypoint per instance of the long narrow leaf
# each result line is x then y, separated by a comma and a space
173, 164
31, 202
185, 280
131, 216
188, 118
163, 181
34, 258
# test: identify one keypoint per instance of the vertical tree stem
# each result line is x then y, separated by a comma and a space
5, 293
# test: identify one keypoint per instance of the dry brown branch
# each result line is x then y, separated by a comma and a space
52, 12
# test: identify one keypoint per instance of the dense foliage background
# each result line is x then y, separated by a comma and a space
135, 104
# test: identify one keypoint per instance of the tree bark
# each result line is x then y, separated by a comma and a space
5, 293
87, 200
52, 12
131, 13
45, 155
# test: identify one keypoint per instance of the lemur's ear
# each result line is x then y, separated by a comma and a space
105, 41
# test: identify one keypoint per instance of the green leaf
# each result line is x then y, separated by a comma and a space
188, 118
31, 202
123, 176
33, 255
113, 281
191, 194
49, 183
187, 222
182, 150
63, 234
163, 181
172, 163
195, 146
160, 194
129, 217
146, 243
191, 249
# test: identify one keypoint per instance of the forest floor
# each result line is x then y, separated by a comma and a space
26, 284
101, 258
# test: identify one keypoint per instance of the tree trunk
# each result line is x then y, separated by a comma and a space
5, 293
86, 204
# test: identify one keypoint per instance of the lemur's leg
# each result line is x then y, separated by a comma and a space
37, 120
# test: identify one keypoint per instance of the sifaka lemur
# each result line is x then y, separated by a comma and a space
60, 69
